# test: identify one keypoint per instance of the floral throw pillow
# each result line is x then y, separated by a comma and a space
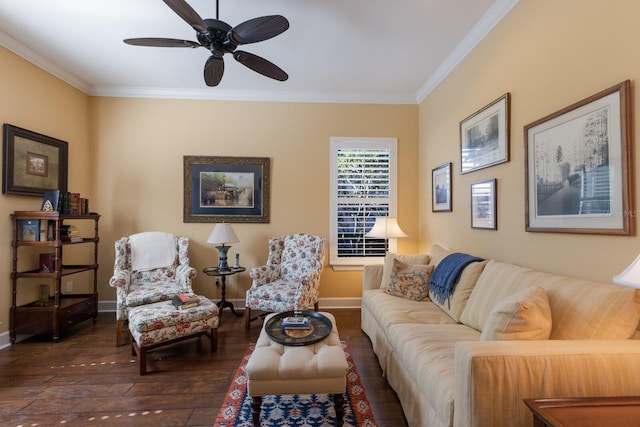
410, 281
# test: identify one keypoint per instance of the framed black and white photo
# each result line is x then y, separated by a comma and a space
441, 188
226, 189
578, 167
484, 136
484, 205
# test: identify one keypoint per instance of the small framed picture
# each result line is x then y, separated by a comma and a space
484, 136
441, 188
484, 205
30, 230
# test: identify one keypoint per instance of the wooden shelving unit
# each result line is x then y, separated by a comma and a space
61, 311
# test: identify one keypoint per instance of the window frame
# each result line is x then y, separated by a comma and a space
338, 143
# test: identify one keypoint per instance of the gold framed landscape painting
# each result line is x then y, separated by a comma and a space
32, 163
578, 167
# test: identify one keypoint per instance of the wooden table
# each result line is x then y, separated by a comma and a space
586, 412
214, 271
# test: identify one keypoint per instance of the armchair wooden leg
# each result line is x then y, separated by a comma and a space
315, 306
122, 332
247, 318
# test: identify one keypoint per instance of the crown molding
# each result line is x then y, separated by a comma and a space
490, 19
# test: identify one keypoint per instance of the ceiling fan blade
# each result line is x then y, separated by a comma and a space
186, 12
161, 42
259, 29
260, 65
213, 70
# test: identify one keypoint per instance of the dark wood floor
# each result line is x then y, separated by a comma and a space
86, 380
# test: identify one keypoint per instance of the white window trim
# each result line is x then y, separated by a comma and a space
337, 143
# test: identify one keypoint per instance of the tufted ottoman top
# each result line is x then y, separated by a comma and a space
278, 369
163, 314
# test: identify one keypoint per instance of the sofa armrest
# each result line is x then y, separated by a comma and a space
371, 276
493, 377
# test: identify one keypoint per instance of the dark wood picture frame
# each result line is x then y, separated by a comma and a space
32, 163
441, 194
484, 136
226, 189
578, 167
484, 204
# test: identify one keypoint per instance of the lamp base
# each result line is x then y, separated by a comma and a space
222, 255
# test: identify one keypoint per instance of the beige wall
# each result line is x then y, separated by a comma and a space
548, 54
37, 101
138, 175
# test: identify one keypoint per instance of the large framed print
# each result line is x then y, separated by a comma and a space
577, 160
226, 189
484, 204
441, 188
32, 163
484, 136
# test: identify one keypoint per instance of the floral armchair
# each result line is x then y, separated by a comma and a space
291, 278
149, 285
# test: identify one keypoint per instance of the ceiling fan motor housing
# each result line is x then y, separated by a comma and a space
216, 37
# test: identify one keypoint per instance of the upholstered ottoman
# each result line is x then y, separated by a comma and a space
276, 369
158, 324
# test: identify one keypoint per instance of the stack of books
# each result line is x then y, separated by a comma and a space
70, 233
296, 323
185, 301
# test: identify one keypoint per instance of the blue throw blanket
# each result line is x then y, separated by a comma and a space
447, 273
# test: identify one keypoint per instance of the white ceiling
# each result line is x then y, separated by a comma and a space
378, 51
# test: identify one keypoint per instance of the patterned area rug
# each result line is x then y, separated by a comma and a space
304, 410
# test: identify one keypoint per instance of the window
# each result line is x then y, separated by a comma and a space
363, 186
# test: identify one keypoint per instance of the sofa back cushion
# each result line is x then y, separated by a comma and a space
580, 309
455, 305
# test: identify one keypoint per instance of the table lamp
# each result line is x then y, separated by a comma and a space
386, 228
221, 234
630, 276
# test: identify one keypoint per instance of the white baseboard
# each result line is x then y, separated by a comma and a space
110, 307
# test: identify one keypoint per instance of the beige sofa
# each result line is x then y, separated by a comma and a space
460, 363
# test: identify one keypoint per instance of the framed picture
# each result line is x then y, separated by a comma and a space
484, 136
32, 163
226, 189
484, 212
578, 177
441, 188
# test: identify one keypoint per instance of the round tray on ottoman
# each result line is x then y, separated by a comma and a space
320, 327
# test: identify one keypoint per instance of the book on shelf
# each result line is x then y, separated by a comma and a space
30, 230
48, 262
181, 305
50, 200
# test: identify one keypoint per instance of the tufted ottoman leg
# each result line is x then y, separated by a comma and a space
338, 403
256, 405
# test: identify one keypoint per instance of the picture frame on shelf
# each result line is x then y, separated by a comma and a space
226, 189
484, 136
578, 167
32, 163
484, 213
441, 188
30, 230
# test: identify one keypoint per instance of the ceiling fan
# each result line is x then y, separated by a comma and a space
220, 38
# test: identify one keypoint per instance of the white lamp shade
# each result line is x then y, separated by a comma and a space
223, 233
630, 276
386, 227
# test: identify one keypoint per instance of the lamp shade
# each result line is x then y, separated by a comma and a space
223, 233
386, 227
630, 276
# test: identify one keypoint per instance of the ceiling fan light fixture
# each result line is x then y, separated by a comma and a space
220, 38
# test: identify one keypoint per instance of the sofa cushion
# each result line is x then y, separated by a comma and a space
580, 309
409, 259
427, 354
391, 310
455, 305
524, 315
409, 281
